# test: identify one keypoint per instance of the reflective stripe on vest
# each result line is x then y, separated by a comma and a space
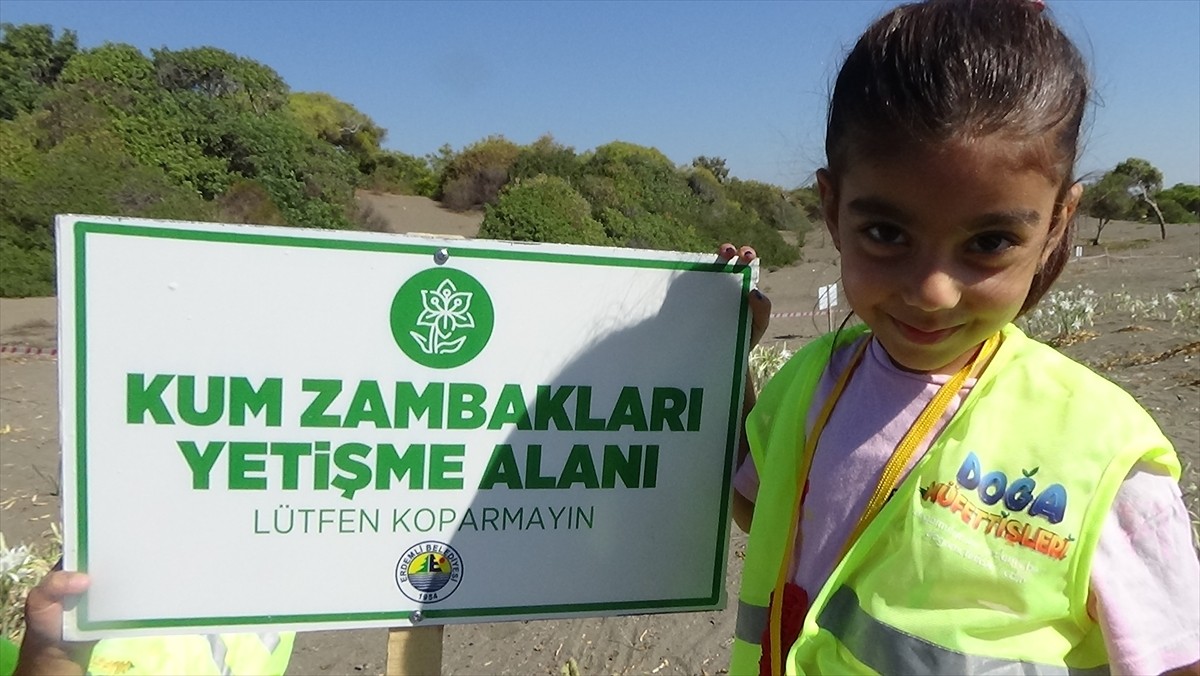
888, 650
751, 622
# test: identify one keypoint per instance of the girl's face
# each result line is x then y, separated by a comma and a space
939, 246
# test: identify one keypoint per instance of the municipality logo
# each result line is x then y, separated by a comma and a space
442, 318
429, 571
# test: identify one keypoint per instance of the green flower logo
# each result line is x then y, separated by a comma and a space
442, 318
446, 311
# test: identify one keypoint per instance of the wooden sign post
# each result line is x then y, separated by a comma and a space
414, 651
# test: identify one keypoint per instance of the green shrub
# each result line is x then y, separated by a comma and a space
542, 209
31, 59
714, 166
474, 177
85, 175
741, 226
1174, 212
651, 231
705, 186
24, 272
644, 177
247, 201
770, 204
474, 190
601, 193
546, 156
1186, 194
397, 172
808, 199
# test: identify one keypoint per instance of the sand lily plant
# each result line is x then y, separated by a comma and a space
22, 567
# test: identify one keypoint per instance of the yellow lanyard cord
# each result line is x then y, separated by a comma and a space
888, 480
920, 429
810, 447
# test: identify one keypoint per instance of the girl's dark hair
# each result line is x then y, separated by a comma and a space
944, 70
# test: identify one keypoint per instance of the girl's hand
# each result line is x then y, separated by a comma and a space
760, 305
43, 650
760, 316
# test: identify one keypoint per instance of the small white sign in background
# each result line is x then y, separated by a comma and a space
281, 427
827, 297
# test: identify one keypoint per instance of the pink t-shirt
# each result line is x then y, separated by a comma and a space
1145, 578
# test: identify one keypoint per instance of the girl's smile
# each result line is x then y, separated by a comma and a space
924, 337
939, 246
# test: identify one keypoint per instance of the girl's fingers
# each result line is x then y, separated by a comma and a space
44, 605
744, 254
760, 316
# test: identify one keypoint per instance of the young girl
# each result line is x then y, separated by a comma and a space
934, 492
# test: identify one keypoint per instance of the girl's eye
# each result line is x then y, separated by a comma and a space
992, 243
884, 233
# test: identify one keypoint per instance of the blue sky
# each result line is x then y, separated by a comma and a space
745, 81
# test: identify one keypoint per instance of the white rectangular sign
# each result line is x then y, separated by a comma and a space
827, 297
268, 427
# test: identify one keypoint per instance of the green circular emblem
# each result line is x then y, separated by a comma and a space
442, 318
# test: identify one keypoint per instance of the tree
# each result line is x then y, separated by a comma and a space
1145, 182
715, 166
31, 59
1187, 196
218, 74
1106, 200
340, 124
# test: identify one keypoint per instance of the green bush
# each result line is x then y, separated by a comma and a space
770, 204
24, 272
1174, 212
644, 177
546, 156
741, 226
397, 172
651, 231
808, 199
247, 201
474, 177
474, 190
705, 186
85, 175
601, 193
1187, 195
542, 209
31, 60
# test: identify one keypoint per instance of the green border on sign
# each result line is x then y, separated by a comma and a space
82, 228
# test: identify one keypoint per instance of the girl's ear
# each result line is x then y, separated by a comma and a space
1062, 221
829, 205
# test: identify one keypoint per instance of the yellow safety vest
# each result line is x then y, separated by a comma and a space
194, 655
980, 561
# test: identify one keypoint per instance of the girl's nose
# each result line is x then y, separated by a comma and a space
932, 288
